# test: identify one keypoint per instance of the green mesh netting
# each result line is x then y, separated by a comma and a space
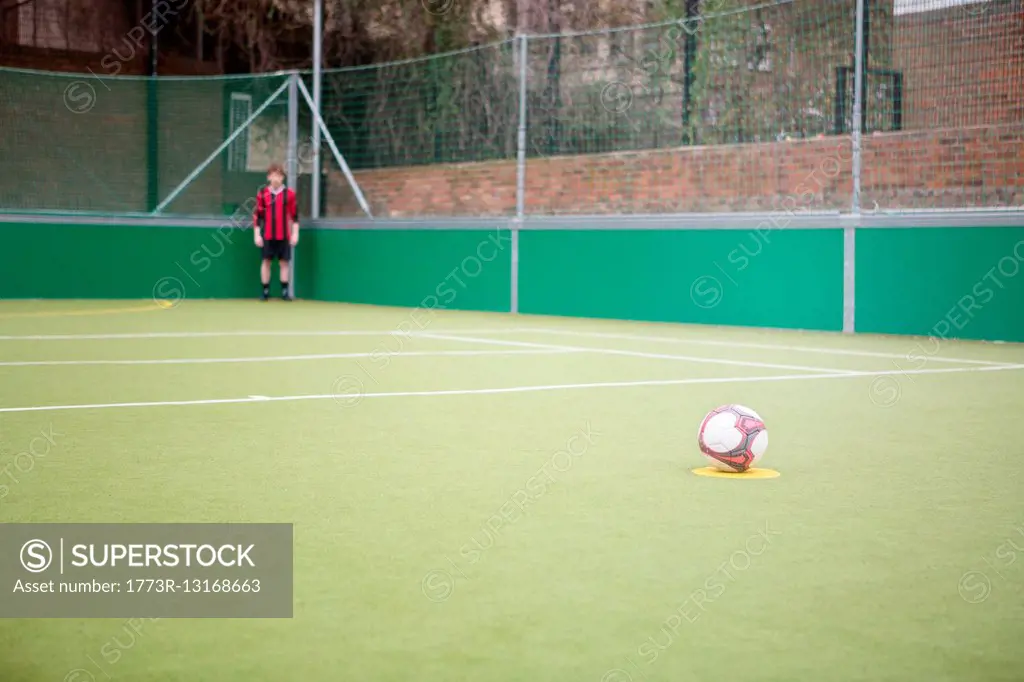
71, 142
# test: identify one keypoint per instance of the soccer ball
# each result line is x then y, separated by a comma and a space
733, 438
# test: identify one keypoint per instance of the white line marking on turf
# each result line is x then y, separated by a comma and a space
496, 330
742, 344
511, 389
208, 335
635, 354
282, 358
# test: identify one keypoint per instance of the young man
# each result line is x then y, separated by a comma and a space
276, 225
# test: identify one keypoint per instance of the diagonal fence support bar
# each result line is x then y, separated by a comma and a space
223, 145
334, 150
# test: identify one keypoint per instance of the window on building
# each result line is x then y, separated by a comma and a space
238, 150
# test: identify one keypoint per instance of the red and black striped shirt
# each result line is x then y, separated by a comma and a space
275, 212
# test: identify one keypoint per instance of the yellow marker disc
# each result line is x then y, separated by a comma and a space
749, 473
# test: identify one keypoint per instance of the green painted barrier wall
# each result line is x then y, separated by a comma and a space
455, 269
128, 261
947, 282
944, 282
790, 279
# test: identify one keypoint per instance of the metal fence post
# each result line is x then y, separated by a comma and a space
292, 166
520, 172
318, 36
850, 233
858, 105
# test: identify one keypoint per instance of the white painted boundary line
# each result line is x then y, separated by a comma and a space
511, 389
635, 354
740, 344
284, 358
211, 335
492, 331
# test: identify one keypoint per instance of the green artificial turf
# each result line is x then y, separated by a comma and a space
611, 565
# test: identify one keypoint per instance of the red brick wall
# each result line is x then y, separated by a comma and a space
981, 166
953, 168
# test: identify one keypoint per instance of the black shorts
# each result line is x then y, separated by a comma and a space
277, 248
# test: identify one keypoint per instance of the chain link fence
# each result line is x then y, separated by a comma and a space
398, 123
740, 107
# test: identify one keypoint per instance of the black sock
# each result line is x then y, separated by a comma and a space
284, 288
266, 290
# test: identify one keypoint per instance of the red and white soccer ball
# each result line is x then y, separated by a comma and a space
733, 438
